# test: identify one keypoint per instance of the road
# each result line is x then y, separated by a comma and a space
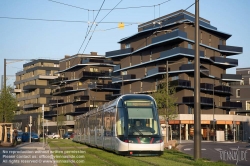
232, 153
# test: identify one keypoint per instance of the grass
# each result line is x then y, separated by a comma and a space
94, 156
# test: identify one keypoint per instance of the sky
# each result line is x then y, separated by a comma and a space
33, 39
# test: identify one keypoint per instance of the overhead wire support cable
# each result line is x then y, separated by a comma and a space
100, 22
132, 7
91, 27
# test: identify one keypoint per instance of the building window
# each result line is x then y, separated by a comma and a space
151, 52
91, 69
48, 72
190, 110
248, 72
130, 59
237, 92
190, 45
141, 57
145, 71
175, 78
220, 42
247, 105
127, 45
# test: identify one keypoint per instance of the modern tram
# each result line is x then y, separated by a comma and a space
128, 125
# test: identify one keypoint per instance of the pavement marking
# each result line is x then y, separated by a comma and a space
203, 149
234, 148
218, 149
187, 149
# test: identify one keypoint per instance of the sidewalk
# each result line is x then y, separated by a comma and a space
191, 141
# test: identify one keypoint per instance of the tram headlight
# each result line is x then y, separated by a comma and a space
130, 141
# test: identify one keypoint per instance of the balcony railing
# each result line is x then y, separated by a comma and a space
57, 80
103, 86
206, 86
84, 61
119, 52
61, 90
56, 101
223, 88
81, 98
156, 70
50, 113
231, 77
117, 67
179, 50
82, 109
232, 104
95, 74
203, 100
129, 76
180, 83
225, 60
230, 49
110, 97
167, 36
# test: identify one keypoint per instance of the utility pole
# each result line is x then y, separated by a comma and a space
197, 114
166, 113
4, 90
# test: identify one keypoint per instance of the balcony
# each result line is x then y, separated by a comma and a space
155, 71
79, 111
81, 98
181, 83
232, 104
231, 77
190, 67
203, 100
168, 36
30, 87
110, 97
117, 67
88, 74
129, 76
57, 80
223, 89
226, 61
103, 86
32, 105
62, 90
50, 114
206, 86
104, 61
54, 102
230, 50
118, 53
179, 51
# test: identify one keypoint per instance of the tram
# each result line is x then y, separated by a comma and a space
128, 125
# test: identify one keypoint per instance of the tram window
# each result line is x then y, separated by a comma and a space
141, 121
107, 126
112, 121
120, 122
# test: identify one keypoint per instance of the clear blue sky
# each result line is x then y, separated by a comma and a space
40, 39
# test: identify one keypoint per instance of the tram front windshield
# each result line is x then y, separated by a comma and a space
142, 119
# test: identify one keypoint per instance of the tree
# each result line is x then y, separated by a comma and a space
60, 122
8, 105
166, 101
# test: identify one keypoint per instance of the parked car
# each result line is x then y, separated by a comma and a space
35, 137
67, 135
54, 136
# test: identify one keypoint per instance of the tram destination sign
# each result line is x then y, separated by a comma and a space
139, 104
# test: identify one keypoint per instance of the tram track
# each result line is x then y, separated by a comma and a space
96, 156
131, 157
68, 158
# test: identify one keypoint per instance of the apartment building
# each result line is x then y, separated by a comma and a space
84, 83
168, 43
33, 92
241, 91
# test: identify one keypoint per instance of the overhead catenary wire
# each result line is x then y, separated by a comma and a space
99, 22
90, 27
121, 8
67, 21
